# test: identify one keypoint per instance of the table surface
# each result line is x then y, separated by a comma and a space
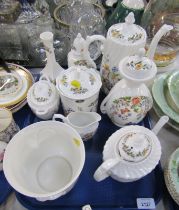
169, 141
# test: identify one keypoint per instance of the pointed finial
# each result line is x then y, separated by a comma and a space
130, 19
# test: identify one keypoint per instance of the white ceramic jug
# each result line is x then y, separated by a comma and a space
123, 39
85, 123
131, 153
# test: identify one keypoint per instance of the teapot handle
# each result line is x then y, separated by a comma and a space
93, 38
102, 171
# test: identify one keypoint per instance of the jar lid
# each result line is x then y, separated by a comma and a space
42, 93
127, 33
78, 82
138, 67
5, 119
135, 146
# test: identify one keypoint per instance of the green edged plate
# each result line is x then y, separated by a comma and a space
172, 93
158, 90
171, 175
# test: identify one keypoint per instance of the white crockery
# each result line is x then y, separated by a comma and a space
44, 160
85, 123
43, 98
79, 89
129, 100
131, 153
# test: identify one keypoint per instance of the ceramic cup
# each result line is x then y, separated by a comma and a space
8, 127
44, 160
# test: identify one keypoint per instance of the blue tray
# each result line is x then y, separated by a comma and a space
108, 194
5, 188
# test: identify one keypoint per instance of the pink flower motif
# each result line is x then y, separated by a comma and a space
2, 155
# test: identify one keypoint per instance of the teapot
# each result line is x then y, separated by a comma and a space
85, 123
131, 153
130, 99
123, 39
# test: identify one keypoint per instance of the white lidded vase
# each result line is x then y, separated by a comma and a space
131, 153
129, 100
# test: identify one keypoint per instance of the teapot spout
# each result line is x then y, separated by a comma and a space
162, 121
161, 32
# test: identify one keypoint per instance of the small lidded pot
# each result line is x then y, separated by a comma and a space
79, 89
131, 153
43, 98
130, 99
8, 127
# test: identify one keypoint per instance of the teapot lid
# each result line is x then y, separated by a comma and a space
5, 118
127, 33
78, 82
138, 67
135, 146
42, 92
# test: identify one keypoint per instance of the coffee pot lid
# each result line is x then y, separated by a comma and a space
127, 33
79, 82
138, 67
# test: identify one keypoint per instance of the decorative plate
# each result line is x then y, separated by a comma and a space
158, 91
171, 174
173, 90
10, 84
79, 83
139, 162
27, 81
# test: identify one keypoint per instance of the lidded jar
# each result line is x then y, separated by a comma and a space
79, 89
43, 98
130, 99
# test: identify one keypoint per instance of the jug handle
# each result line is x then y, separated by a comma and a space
59, 116
103, 104
162, 121
102, 171
93, 38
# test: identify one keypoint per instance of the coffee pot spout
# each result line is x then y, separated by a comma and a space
161, 32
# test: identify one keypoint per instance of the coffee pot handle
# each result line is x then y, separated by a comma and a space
102, 171
93, 38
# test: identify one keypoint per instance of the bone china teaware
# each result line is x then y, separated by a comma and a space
131, 153
123, 39
44, 160
130, 99
79, 89
8, 127
43, 98
85, 123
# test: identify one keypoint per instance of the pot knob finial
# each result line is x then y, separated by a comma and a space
130, 19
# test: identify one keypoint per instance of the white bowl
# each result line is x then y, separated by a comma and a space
44, 160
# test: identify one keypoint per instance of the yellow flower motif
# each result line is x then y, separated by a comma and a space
76, 141
138, 66
76, 84
106, 67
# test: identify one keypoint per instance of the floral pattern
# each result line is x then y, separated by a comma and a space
82, 63
116, 33
109, 76
138, 66
80, 90
42, 99
92, 79
2, 156
11, 87
130, 150
125, 107
64, 80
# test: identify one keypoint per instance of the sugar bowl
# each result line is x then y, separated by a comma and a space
43, 99
8, 127
131, 153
